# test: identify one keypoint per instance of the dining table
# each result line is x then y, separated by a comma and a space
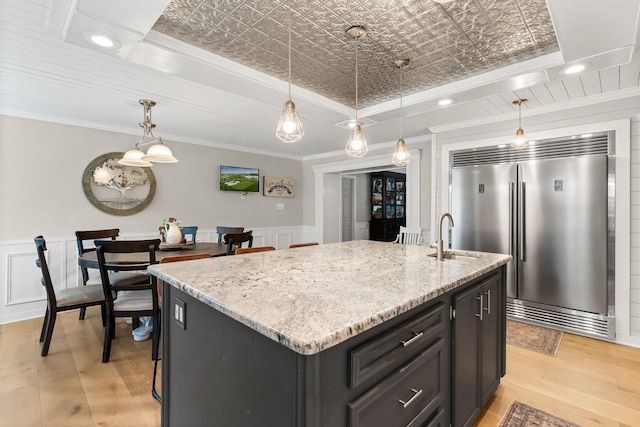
90, 259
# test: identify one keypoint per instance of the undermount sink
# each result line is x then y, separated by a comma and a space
456, 256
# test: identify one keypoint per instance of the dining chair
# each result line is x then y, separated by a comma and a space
64, 299
409, 236
301, 245
189, 234
175, 258
252, 249
129, 300
221, 231
119, 277
235, 240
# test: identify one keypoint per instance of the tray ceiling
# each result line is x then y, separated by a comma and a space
445, 42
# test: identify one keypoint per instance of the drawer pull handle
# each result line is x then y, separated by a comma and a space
416, 393
415, 337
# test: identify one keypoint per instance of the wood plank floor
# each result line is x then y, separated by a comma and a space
589, 382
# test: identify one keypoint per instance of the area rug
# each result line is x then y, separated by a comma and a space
532, 337
521, 415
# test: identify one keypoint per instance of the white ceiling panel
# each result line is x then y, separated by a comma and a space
218, 69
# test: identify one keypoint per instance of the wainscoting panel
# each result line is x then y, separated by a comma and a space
22, 295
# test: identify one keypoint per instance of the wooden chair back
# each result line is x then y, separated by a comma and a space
91, 235
409, 236
235, 240
301, 245
222, 230
240, 251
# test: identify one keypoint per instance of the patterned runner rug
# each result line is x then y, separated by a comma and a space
521, 415
532, 337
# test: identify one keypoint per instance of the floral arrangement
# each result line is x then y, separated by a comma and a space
167, 222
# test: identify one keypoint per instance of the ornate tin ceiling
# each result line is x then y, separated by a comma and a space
445, 42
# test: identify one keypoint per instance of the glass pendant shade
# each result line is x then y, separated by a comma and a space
357, 144
519, 141
159, 153
289, 127
401, 156
134, 158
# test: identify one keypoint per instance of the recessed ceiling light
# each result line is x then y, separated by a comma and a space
102, 40
573, 69
445, 101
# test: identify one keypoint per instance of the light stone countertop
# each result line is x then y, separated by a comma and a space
312, 298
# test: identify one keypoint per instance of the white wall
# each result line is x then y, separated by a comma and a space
41, 168
332, 198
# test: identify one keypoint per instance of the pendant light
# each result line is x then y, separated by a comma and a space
357, 144
520, 141
158, 153
289, 127
401, 156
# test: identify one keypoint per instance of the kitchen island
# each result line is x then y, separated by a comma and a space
357, 333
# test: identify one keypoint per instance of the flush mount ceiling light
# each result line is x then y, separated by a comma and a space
520, 141
289, 127
357, 144
401, 156
158, 153
573, 69
102, 40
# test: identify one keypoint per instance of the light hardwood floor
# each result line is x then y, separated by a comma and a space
589, 382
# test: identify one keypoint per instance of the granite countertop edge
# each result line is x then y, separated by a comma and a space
331, 338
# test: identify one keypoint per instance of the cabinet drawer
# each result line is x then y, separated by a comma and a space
408, 397
393, 347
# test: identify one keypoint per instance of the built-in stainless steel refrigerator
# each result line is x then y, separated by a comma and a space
551, 215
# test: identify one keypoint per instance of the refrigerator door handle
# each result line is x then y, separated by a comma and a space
523, 221
511, 209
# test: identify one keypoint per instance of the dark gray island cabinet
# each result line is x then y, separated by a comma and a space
241, 355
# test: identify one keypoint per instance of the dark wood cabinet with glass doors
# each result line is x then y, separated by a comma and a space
388, 205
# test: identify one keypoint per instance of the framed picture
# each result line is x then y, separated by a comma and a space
235, 178
117, 189
274, 186
377, 185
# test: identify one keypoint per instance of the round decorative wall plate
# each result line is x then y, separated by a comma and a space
117, 189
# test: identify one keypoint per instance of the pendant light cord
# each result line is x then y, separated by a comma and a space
289, 6
519, 115
401, 115
357, 42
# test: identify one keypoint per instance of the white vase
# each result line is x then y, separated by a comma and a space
174, 235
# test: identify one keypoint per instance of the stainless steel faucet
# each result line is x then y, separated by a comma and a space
439, 241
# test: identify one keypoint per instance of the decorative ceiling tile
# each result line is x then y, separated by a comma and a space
444, 42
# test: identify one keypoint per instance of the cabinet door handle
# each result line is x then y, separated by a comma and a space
412, 340
416, 393
481, 299
488, 307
